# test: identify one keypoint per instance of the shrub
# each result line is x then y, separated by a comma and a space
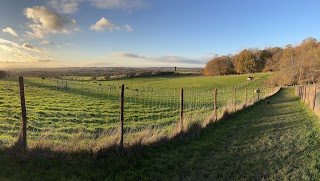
3, 74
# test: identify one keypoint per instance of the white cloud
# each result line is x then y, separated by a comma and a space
102, 25
129, 55
50, 43
9, 46
119, 4
22, 53
6, 48
10, 31
7, 42
127, 28
65, 6
44, 21
27, 46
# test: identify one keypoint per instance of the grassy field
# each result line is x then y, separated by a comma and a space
85, 114
276, 141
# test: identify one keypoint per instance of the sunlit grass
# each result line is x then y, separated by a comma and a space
84, 114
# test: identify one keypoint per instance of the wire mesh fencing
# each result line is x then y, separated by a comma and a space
73, 115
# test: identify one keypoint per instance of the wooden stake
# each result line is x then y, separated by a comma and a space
215, 105
253, 95
181, 110
246, 95
309, 87
314, 97
23, 134
305, 92
121, 115
235, 98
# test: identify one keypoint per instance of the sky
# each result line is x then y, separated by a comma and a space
146, 33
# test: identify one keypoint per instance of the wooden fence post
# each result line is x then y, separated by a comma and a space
181, 110
315, 97
309, 87
235, 99
246, 95
23, 135
121, 115
253, 95
215, 105
305, 94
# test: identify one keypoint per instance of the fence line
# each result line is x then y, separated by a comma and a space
310, 95
86, 114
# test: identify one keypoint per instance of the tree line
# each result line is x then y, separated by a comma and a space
298, 64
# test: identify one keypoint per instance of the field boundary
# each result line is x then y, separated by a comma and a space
237, 99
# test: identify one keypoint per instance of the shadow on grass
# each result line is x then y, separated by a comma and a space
256, 143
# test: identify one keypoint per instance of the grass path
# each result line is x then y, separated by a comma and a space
276, 141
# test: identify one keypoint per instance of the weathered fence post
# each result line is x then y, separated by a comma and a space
181, 110
253, 95
246, 98
315, 97
235, 99
215, 105
23, 135
309, 87
121, 115
305, 94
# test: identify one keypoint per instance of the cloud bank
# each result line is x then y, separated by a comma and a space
164, 59
129, 55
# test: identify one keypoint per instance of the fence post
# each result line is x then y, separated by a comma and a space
305, 94
309, 87
246, 95
121, 115
253, 95
315, 97
215, 105
235, 99
181, 110
23, 135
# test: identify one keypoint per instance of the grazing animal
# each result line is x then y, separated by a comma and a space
267, 101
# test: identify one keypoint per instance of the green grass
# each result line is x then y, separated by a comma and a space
87, 112
276, 141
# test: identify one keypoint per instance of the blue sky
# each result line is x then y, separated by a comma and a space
60, 33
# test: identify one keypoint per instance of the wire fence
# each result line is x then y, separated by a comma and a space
86, 114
